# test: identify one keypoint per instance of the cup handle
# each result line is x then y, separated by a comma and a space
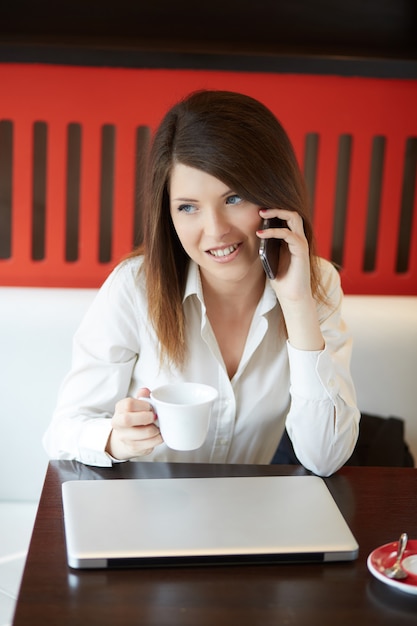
152, 403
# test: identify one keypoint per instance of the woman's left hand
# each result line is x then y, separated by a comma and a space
292, 283
293, 280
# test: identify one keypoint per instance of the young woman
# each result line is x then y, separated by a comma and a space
194, 304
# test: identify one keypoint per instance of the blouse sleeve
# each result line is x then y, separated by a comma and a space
100, 375
323, 421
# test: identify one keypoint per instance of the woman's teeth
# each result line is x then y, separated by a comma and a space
223, 251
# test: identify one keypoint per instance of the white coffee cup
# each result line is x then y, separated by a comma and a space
183, 411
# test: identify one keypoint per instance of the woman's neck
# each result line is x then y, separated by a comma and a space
230, 309
233, 296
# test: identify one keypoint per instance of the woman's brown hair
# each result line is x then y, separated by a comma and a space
238, 140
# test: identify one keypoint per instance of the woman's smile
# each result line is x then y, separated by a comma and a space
224, 254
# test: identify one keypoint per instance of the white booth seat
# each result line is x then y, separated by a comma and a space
384, 359
36, 330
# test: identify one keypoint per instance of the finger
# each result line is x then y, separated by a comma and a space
294, 222
143, 392
293, 219
141, 435
121, 445
133, 412
272, 233
142, 440
133, 419
133, 404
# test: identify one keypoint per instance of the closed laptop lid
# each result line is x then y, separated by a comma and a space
174, 521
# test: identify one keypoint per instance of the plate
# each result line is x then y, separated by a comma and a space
385, 556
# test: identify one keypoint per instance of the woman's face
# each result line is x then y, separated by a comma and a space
216, 227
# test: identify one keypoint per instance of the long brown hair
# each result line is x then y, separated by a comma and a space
238, 140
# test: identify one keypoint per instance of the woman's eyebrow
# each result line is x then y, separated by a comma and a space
184, 200
226, 193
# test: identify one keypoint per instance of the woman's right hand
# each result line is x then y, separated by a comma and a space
134, 432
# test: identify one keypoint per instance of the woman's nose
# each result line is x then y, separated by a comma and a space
216, 224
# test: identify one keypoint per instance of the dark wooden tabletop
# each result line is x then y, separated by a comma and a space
378, 504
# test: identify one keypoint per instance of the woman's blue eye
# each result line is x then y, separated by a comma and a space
187, 208
234, 199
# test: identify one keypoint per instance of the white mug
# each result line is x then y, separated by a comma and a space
183, 413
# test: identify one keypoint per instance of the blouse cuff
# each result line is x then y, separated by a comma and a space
312, 374
93, 441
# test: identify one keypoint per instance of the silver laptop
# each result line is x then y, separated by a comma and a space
183, 521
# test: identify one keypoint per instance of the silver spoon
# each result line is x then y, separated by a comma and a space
396, 571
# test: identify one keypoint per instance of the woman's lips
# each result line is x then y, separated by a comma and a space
226, 251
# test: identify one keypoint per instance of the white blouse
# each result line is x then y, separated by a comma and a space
115, 352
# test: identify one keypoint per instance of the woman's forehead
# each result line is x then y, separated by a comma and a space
191, 180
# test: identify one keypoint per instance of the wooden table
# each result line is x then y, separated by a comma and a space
378, 504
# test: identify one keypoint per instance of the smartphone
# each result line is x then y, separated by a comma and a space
269, 248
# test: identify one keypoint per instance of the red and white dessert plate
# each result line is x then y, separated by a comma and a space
384, 557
